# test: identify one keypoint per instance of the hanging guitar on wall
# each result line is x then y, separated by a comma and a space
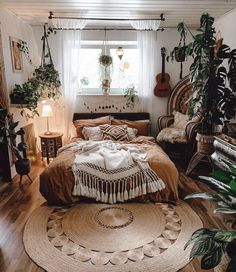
163, 88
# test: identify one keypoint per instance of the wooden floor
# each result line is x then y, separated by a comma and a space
16, 207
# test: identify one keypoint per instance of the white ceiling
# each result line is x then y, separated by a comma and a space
36, 12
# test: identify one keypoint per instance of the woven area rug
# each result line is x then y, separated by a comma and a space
101, 238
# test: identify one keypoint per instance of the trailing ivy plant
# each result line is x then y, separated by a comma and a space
45, 83
211, 244
26, 96
48, 81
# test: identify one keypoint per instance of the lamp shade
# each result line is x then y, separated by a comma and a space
47, 111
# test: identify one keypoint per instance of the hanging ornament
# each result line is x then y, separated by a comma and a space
120, 52
126, 65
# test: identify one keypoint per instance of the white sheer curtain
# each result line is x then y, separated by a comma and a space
148, 63
66, 44
146, 24
69, 23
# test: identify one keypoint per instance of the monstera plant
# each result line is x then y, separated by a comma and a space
213, 76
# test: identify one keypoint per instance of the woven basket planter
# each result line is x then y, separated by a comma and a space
205, 143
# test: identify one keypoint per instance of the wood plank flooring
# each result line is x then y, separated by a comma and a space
16, 207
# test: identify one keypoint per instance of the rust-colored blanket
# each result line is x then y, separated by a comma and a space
57, 181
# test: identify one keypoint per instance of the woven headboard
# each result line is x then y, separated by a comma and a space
117, 115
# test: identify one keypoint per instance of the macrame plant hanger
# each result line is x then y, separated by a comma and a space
46, 53
105, 63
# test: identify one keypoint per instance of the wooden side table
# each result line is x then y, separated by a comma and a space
50, 144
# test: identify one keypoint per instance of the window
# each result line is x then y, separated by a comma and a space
123, 72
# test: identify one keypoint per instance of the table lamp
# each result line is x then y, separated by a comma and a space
47, 112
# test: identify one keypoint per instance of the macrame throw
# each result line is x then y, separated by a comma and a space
110, 172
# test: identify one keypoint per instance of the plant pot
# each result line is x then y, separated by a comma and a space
180, 54
205, 143
22, 167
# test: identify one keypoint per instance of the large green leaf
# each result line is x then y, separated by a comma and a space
202, 246
225, 210
203, 232
216, 185
232, 184
221, 176
203, 195
212, 259
225, 235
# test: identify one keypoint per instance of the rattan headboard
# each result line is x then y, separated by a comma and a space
118, 115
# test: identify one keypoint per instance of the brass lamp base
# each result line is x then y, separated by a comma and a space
48, 133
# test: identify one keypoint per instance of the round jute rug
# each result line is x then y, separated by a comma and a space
122, 237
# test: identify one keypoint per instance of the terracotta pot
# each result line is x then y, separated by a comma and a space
22, 167
205, 143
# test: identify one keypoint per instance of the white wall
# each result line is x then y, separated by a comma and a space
12, 26
226, 25
168, 39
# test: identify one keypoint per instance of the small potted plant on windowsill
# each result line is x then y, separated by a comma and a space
131, 96
8, 136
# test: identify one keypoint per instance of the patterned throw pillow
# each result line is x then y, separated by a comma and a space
114, 133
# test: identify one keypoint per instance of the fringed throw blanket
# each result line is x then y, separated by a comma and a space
111, 172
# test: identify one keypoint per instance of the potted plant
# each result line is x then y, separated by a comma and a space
131, 96
213, 81
212, 244
45, 83
48, 81
8, 135
179, 53
26, 96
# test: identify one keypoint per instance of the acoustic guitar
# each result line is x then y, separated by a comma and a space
163, 88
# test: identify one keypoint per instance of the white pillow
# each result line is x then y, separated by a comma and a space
132, 133
92, 133
180, 120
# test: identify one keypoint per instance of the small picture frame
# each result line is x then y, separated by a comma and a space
16, 55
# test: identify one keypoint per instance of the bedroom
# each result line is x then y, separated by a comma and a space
114, 116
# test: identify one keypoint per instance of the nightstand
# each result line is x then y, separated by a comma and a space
50, 144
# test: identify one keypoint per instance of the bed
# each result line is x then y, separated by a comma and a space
57, 181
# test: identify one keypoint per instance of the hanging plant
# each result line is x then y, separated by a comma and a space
179, 53
48, 79
105, 60
46, 74
44, 84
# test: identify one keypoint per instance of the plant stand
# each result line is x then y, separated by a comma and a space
204, 150
21, 184
23, 169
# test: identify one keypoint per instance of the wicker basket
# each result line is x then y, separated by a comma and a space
205, 144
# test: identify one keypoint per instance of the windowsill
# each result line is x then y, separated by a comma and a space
99, 94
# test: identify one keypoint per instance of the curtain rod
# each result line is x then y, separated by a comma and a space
110, 29
104, 19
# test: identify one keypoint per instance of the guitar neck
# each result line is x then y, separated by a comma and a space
163, 66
